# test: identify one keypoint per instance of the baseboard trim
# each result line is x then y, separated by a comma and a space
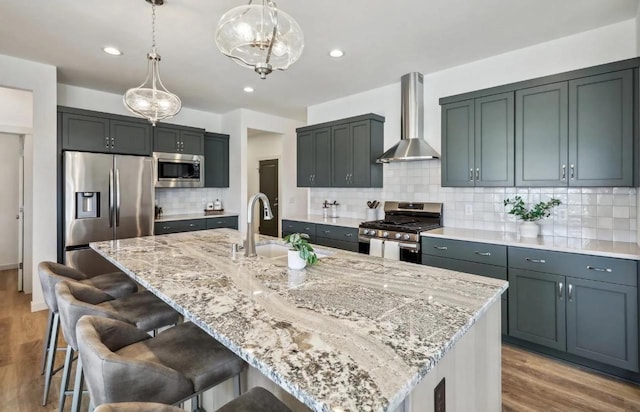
9, 267
38, 306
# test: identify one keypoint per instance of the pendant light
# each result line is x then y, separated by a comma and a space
260, 37
151, 99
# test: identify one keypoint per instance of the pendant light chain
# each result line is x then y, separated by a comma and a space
153, 26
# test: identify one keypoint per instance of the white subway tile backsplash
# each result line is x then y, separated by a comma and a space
177, 201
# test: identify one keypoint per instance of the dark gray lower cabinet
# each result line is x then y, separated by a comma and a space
294, 226
230, 222
177, 226
339, 237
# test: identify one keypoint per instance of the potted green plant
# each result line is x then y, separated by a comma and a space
529, 227
300, 251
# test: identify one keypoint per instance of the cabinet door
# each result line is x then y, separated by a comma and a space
494, 140
216, 160
537, 308
165, 140
305, 158
230, 222
130, 137
322, 144
342, 148
85, 133
362, 157
458, 144
191, 142
602, 322
542, 135
601, 130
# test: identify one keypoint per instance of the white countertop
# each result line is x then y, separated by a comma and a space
334, 221
189, 216
622, 250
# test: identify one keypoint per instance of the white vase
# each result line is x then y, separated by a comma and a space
529, 229
295, 261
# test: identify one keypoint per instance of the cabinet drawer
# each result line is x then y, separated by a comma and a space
341, 233
471, 251
230, 222
294, 226
338, 244
475, 268
602, 269
176, 226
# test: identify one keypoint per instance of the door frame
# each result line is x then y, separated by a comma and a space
279, 160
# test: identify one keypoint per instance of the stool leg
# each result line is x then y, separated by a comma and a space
237, 390
45, 343
64, 384
77, 387
51, 356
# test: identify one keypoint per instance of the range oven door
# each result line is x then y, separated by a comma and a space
412, 255
178, 170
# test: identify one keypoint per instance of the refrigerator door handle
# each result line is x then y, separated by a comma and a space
117, 197
111, 186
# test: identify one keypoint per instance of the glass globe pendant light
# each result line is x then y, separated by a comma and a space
151, 99
260, 37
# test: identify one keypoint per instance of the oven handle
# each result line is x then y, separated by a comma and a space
411, 246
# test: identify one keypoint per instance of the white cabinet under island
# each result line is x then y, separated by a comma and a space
352, 333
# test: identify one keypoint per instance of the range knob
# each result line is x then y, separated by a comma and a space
398, 235
385, 234
406, 237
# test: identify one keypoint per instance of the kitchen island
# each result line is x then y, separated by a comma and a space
352, 333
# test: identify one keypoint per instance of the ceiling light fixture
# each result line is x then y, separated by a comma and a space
151, 99
260, 37
112, 51
248, 89
336, 53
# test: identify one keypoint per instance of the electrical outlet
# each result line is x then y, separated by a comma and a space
468, 209
439, 398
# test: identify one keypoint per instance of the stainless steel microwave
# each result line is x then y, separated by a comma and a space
178, 170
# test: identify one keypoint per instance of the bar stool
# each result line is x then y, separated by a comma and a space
124, 364
141, 310
255, 400
115, 284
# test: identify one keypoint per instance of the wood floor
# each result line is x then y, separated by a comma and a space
529, 382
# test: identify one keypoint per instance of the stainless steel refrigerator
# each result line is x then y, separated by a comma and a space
106, 197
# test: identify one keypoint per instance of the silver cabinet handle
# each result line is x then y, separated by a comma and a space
570, 292
350, 177
440, 247
478, 174
560, 290
306, 228
106, 142
326, 231
535, 260
573, 170
191, 225
113, 142
471, 175
348, 234
166, 227
482, 253
599, 269
346, 177
564, 172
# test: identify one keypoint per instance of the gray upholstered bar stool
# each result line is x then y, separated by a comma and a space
143, 310
255, 400
123, 364
115, 284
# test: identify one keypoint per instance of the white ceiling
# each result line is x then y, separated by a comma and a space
382, 40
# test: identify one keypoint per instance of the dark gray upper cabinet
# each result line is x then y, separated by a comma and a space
99, 132
542, 135
601, 130
216, 160
345, 153
178, 139
477, 142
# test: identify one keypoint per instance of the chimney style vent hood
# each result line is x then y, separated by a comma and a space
411, 145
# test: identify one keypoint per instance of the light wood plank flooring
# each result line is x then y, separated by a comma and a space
530, 382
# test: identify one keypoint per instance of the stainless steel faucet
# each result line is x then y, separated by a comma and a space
250, 241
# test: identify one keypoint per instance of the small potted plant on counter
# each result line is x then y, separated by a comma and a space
300, 251
529, 227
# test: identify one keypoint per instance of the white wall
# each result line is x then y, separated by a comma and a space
638, 31
10, 145
263, 146
40, 160
17, 108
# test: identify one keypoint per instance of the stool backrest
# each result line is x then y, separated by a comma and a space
50, 274
112, 377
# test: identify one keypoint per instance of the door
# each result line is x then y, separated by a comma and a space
362, 158
269, 186
85, 133
494, 116
191, 142
130, 137
342, 148
458, 144
305, 158
87, 198
134, 196
601, 130
537, 308
602, 322
216, 160
165, 140
542, 135
322, 144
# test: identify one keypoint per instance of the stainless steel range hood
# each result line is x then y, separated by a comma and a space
411, 145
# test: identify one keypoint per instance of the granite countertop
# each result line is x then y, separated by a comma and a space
622, 250
189, 216
334, 221
352, 333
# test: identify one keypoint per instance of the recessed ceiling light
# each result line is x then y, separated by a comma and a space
248, 89
336, 53
112, 51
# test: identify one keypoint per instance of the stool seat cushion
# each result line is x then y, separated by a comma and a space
189, 350
116, 284
255, 400
137, 407
144, 310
